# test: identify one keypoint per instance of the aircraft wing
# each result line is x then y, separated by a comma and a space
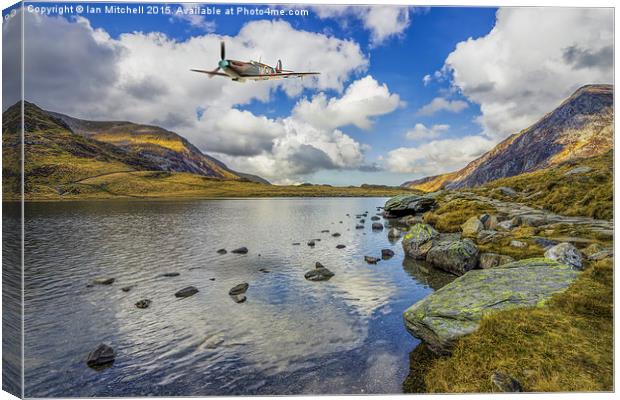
211, 73
282, 75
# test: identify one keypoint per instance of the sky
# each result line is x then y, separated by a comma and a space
404, 92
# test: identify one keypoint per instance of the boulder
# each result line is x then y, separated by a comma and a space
145, 303
456, 257
311, 243
103, 281
394, 233
264, 270
471, 227
517, 244
340, 246
565, 253
239, 289
221, 251
578, 170
409, 204
505, 383
375, 218
186, 292
127, 288
418, 241
371, 260
240, 250
170, 274
489, 221
102, 356
377, 226
507, 191
387, 254
455, 310
296, 244
319, 274
492, 260
359, 226
325, 231
336, 234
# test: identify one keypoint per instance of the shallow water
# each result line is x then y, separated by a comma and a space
291, 336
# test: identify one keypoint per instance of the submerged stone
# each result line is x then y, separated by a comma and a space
186, 292
240, 250
145, 303
239, 289
103, 281
455, 310
101, 357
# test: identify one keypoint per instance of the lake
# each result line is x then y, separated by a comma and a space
291, 335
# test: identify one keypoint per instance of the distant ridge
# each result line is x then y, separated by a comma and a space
580, 127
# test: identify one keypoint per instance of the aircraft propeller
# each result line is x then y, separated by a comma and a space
223, 63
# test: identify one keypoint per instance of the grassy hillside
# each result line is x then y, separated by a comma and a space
586, 193
54, 156
161, 184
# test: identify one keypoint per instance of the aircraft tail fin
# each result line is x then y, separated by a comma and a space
279, 66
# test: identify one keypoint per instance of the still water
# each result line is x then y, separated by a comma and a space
291, 336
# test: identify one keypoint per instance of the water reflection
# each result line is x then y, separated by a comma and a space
290, 335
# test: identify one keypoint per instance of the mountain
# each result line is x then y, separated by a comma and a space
164, 148
580, 127
61, 151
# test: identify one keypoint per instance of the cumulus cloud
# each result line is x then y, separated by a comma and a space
145, 78
308, 140
363, 99
383, 22
442, 104
421, 132
530, 61
438, 156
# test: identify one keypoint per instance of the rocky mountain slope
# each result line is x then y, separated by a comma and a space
60, 150
582, 126
164, 148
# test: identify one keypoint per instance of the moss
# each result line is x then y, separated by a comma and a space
450, 215
563, 345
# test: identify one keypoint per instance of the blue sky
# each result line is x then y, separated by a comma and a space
389, 49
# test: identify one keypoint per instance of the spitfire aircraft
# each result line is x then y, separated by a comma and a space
241, 71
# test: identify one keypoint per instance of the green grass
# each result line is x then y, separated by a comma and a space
586, 194
158, 184
564, 346
450, 215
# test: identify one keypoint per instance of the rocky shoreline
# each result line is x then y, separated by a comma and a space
487, 281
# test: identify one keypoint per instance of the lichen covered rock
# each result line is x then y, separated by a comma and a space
456, 257
418, 241
455, 310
